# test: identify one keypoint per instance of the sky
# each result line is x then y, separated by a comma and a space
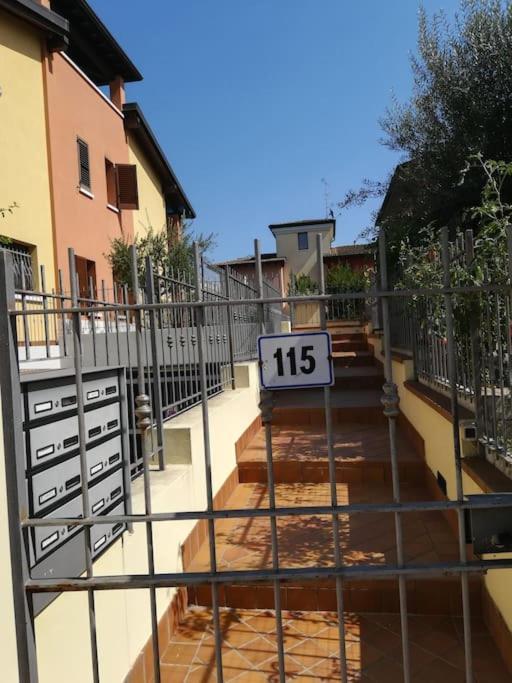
266, 108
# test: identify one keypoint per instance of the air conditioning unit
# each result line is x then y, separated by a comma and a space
468, 438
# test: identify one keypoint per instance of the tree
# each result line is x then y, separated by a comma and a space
154, 243
461, 105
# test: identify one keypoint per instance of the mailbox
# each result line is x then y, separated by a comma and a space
52, 466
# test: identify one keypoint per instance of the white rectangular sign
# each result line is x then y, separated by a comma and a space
290, 361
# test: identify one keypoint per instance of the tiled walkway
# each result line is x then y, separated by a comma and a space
373, 648
363, 475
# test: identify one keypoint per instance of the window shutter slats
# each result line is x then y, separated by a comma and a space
83, 165
127, 186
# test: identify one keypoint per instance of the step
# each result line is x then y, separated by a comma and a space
306, 541
349, 345
425, 596
306, 407
353, 359
312, 649
369, 377
361, 453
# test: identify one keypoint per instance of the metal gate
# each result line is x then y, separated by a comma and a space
209, 319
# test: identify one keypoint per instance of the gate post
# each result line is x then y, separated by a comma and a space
157, 388
15, 495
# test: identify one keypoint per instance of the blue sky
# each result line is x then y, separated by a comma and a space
255, 101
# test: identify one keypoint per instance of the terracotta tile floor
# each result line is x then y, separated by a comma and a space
308, 540
353, 443
373, 647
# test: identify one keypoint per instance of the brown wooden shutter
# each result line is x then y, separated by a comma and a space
84, 169
127, 186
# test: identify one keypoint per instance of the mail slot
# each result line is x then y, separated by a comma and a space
100, 389
103, 535
47, 539
51, 441
102, 421
55, 483
51, 400
104, 457
106, 492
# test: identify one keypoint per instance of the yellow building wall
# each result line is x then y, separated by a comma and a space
437, 434
302, 261
24, 177
151, 211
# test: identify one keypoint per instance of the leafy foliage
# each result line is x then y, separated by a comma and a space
421, 266
461, 105
302, 285
177, 256
341, 278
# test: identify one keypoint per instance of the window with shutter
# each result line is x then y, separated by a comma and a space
127, 186
84, 170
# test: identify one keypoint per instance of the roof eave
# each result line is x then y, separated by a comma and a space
51, 24
136, 123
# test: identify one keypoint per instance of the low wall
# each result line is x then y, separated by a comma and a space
123, 617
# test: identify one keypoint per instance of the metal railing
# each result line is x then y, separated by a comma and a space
483, 344
169, 337
198, 314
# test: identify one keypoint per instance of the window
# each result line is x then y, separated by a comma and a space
303, 240
111, 176
122, 187
84, 170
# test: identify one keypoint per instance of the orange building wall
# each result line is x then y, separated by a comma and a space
77, 109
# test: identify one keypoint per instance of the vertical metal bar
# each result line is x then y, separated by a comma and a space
157, 388
230, 327
63, 306
26, 329
338, 557
266, 415
390, 401
45, 314
106, 321
84, 474
142, 402
466, 613
15, 485
207, 461
93, 322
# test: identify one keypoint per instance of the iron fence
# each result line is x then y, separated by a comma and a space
199, 315
168, 337
483, 344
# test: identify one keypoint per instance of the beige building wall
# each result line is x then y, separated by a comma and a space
123, 617
302, 261
151, 211
24, 176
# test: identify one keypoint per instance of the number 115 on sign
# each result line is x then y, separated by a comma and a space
289, 361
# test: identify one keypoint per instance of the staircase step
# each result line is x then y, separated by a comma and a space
311, 472
353, 359
358, 377
425, 596
348, 345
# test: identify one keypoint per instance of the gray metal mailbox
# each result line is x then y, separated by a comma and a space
52, 465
